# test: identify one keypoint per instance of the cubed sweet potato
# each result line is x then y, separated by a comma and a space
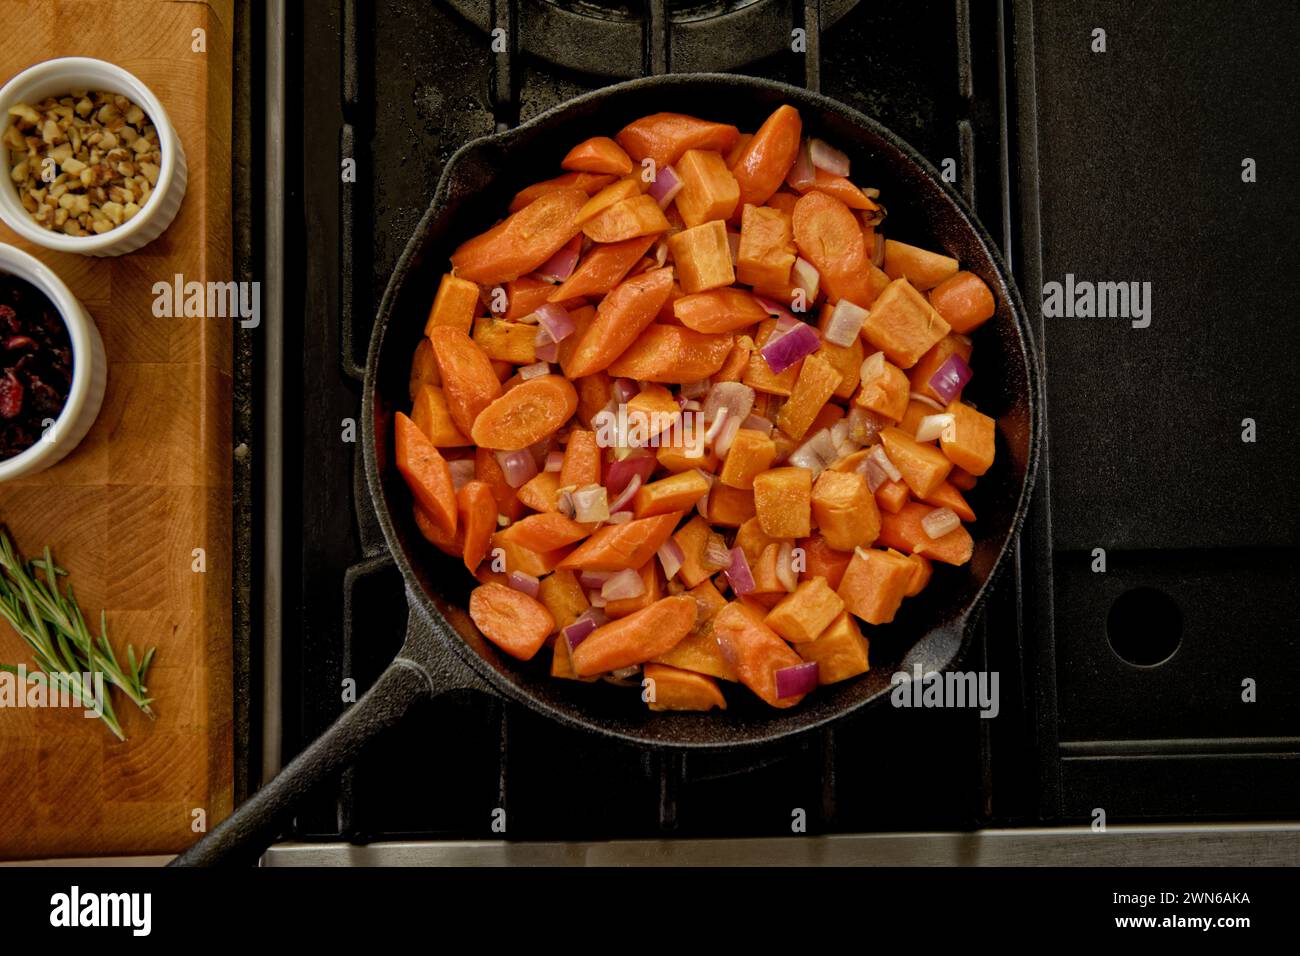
750, 454
432, 417
971, 446
845, 510
802, 615
875, 583
816, 383
709, 190
903, 324
840, 651
670, 688
756, 651
923, 466
783, 502
454, 304
766, 253
885, 393
702, 256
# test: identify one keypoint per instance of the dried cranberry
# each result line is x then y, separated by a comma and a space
11, 396
15, 342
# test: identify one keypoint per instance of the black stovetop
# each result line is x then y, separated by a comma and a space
1118, 166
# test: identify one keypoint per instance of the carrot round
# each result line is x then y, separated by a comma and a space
510, 619
718, 310
600, 154
768, 156
526, 414
639, 637
477, 510
426, 473
964, 301
621, 316
618, 546
828, 235
469, 384
522, 242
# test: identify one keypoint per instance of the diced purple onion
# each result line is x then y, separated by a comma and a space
845, 323
880, 457
661, 252
738, 573
619, 517
933, 426
758, 423
827, 157
785, 572
582, 626
802, 174
796, 680
774, 308
924, 400
671, 557
726, 435
596, 599
735, 397
555, 319
625, 389
625, 496
517, 466
621, 472
554, 460
733, 243
593, 579
695, 389
878, 250
951, 377
547, 352
799, 342
559, 267
864, 425
622, 585
523, 582
716, 555
666, 186
462, 471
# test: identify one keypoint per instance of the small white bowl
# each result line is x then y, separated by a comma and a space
89, 368
58, 78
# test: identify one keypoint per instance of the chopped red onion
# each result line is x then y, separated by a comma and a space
594, 579
864, 425
738, 573
733, 243
845, 323
940, 521
827, 157
802, 174
695, 389
716, 554
716, 426
518, 466
873, 367
559, 267
661, 252
735, 397
878, 250
951, 377
824, 445
671, 557
554, 460
785, 572
547, 352
774, 308
621, 472
877, 454
806, 277
533, 371
924, 400
781, 353
874, 473
722, 443
932, 426
619, 517
625, 389
666, 186
462, 471
796, 680
555, 319
758, 423
590, 503
623, 584
582, 626
805, 457
596, 599
625, 496
523, 582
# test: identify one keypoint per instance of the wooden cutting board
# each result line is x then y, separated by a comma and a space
148, 485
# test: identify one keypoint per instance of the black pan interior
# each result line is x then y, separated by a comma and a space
475, 189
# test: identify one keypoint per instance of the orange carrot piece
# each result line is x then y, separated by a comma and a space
602, 268
525, 296
672, 353
692, 538
611, 195
510, 619
626, 219
546, 532
892, 495
709, 191
783, 502
455, 304
452, 544
874, 584
620, 318
519, 558
600, 154
522, 242
477, 511
964, 301
961, 479
594, 393
755, 651
698, 651
766, 253
921, 573
501, 341
812, 390
432, 416
807, 611
737, 361
589, 183
526, 414
564, 597
637, 638
652, 592
751, 453
581, 460
541, 492
840, 651
618, 546
674, 493
424, 368
763, 165
923, 466
905, 532
753, 540
669, 688
425, 472
845, 510
886, 393
651, 412
903, 324
718, 310
972, 444
920, 374
469, 383
663, 137
828, 235
684, 452
922, 268
821, 560
702, 255
947, 496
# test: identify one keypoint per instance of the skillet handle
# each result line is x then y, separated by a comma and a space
241, 838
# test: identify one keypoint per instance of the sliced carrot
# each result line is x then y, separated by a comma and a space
581, 459
602, 268
947, 496
432, 416
922, 268
600, 154
627, 219
564, 597
541, 492
454, 305
672, 353
426, 473
692, 538
611, 195
501, 341
526, 414
755, 650
668, 688
594, 393
905, 532
709, 191
519, 558
783, 502
702, 256
525, 296
620, 318
874, 584
765, 161
546, 532
469, 383
840, 651
737, 361
523, 241
964, 301
618, 546
821, 560
840, 188
652, 590
663, 137
477, 511
719, 310
637, 638
828, 235
424, 368
674, 493
452, 544
589, 183
510, 619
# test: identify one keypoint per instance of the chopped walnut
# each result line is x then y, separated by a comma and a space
82, 163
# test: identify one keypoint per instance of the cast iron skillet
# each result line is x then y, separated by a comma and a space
443, 651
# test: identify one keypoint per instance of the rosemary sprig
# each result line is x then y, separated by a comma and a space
52, 624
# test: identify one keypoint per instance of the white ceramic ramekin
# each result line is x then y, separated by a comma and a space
89, 368
58, 78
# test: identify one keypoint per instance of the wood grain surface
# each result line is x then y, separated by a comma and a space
150, 483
